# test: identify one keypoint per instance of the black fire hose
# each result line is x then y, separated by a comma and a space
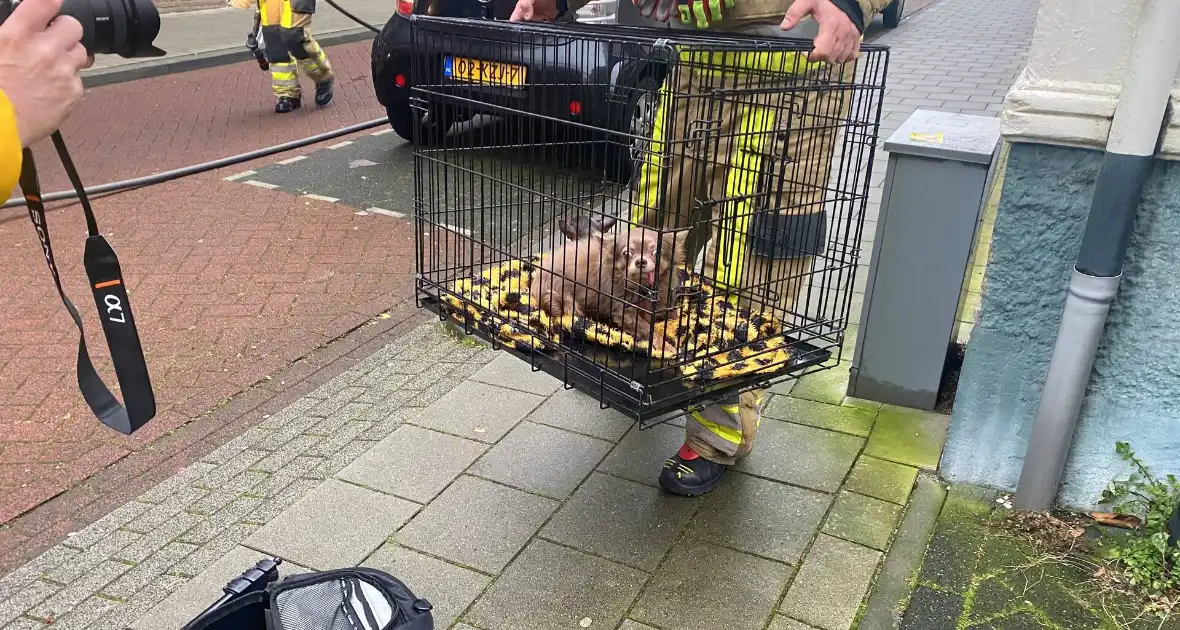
166, 176
353, 17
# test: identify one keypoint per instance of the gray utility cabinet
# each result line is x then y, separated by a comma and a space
936, 183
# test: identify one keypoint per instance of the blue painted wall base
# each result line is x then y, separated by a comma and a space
1135, 386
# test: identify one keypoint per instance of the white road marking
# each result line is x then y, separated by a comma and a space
360, 163
234, 178
293, 160
381, 133
320, 198
460, 230
388, 213
254, 182
340, 145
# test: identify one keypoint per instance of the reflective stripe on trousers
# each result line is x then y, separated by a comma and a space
290, 45
733, 166
725, 432
316, 65
283, 80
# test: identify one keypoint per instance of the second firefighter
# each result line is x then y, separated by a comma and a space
290, 46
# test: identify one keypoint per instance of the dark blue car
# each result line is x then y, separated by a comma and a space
607, 84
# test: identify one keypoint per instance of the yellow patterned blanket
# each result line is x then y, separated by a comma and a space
714, 338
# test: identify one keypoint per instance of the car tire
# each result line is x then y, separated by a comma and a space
893, 13
432, 127
624, 160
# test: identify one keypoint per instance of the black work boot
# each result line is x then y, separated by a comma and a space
689, 475
323, 92
287, 104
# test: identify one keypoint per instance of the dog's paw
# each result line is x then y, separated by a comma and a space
663, 348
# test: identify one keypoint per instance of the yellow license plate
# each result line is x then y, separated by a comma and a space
484, 72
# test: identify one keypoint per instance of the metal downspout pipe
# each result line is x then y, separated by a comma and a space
1130, 150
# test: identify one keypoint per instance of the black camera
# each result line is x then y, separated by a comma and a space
110, 27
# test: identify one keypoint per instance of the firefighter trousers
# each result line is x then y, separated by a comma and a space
738, 159
289, 46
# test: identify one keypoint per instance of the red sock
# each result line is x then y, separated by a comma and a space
687, 454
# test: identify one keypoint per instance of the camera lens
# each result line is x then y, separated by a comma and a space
117, 27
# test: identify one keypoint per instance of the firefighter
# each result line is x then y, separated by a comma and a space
288, 45
757, 135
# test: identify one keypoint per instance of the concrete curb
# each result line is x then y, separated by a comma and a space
202, 60
891, 592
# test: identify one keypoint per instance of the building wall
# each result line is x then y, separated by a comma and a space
1076, 65
1135, 384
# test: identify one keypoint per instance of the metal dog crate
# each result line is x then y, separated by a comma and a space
737, 154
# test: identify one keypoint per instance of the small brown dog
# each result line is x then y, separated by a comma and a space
561, 284
624, 278
584, 226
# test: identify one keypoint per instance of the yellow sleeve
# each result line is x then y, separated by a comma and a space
10, 149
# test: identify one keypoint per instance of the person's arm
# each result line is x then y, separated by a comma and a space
10, 148
841, 26
40, 56
862, 12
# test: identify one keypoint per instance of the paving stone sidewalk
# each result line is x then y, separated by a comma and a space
513, 503
959, 57
507, 501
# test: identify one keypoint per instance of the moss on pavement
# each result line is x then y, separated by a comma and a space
978, 576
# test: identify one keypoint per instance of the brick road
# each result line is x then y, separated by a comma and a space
167, 122
230, 283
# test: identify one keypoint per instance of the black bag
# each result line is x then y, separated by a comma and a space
343, 599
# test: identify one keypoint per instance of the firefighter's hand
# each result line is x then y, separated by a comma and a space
702, 13
534, 11
40, 56
838, 39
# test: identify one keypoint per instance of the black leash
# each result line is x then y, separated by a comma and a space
114, 309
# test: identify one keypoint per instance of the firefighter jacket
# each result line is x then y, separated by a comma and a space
10, 149
861, 12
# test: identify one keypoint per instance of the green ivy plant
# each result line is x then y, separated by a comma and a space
1146, 560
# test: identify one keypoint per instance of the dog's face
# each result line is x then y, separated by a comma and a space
637, 251
585, 226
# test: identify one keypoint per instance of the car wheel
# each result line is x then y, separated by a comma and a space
432, 126
638, 125
893, 13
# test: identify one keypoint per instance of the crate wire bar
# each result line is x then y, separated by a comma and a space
732, 175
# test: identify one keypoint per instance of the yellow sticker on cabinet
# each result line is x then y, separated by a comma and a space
918, 136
